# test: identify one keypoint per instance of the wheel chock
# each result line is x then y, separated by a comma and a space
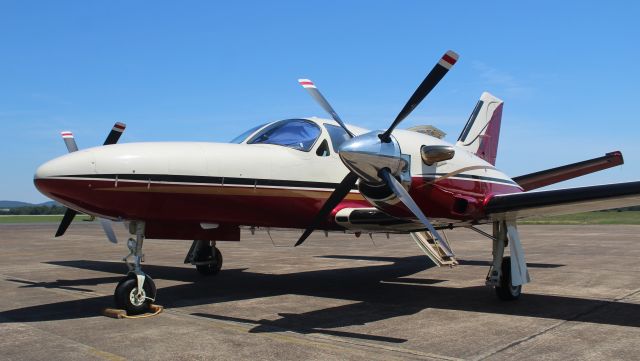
119, 314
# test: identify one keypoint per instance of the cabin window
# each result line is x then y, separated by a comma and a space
323, 149
299, 134
337, 135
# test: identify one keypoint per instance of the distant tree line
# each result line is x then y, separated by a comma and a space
34, 210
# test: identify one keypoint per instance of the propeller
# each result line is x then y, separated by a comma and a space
69, 214
108, 230
336, 197
315, 93
115, 133
371, 160
405, 198
433, 78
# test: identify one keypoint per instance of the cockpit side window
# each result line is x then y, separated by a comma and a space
299, 134
337, 135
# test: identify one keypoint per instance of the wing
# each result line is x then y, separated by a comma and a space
569, 171
563, 201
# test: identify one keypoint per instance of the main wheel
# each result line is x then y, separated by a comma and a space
506, 291
126, 295
212, 268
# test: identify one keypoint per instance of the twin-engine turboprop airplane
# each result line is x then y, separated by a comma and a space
312, 173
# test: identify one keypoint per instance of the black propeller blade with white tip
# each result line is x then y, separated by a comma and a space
405, 198
334, 199
433, 78
115, 133
315, 93
69, 214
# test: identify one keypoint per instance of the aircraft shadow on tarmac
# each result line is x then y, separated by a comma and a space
378, 292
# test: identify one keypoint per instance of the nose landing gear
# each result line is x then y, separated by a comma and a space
136, 291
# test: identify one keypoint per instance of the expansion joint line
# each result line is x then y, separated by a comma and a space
577, 316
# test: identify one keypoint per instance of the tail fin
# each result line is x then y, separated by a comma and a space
482, 132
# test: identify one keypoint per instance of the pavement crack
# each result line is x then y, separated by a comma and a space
600, 305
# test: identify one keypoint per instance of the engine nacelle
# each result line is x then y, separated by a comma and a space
374, 220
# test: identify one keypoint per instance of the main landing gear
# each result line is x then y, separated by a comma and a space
136, 291
500, 273
205, 256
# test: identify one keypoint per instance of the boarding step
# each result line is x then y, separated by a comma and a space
429, 245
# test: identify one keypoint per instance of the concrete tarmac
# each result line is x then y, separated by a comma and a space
335, 298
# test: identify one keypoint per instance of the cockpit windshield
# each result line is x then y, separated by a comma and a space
298, 134
239, 139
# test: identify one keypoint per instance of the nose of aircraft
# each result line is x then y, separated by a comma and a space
48, 176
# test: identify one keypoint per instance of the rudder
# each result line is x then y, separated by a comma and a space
482, 131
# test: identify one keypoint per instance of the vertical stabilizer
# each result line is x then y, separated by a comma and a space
482, 131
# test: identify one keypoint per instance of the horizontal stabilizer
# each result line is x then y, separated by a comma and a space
569, 171
563, 201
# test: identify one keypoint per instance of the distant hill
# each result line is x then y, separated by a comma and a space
18, 204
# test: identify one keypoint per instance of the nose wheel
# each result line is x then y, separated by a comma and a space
128, 297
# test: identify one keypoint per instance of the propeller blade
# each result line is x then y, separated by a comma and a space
69, 141
66, 221
115, 133
334, 199
433, 78
405, 198
315, 93
108, 229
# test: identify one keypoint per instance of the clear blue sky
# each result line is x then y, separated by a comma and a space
207, 70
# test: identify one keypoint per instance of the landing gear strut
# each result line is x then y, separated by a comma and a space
136, 291
205, 256
500, 272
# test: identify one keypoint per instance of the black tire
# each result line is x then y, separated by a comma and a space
506, 291
124, 299
211, 269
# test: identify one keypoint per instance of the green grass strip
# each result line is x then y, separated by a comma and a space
54, 218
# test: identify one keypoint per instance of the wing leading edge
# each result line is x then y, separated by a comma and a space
563, 201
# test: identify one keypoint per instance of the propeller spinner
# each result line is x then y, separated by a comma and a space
374, 157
